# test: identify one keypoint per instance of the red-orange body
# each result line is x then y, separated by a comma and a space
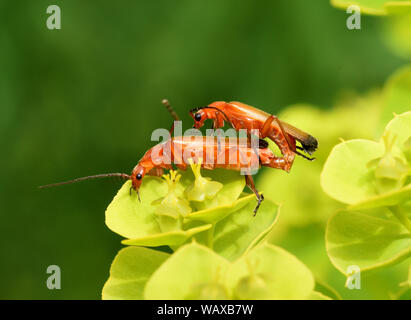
178, 150
215, 152
242, 116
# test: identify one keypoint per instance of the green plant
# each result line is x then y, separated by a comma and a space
373, 178
199, 229
216, 244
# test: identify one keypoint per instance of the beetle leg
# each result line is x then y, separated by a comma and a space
281, 139
275, 162
250, 183
267, 126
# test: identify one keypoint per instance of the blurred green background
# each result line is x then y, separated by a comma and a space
84, 100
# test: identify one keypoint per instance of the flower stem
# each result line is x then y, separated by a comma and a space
401, 216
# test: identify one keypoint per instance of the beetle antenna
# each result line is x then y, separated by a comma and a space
170, 109
172, 112
97, 176
210, 107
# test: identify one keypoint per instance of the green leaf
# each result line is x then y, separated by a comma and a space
405, 295
171, 238
326, 290
373, 7
345, 176
384, 200
400, 126
215, 214
133, 219
197, 270
348, 174
399, 8
141, 224
233, 184
269, 272
241, 230
365, 240
191, 269
129, 272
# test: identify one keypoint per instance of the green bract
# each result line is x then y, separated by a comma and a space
241, 231
346, 176
189, 271
213, 212
217, 247
367, 239
358, 170
131, 269
163, 216
172, 205
266, 272
269, 272
202, 188
375, 7
374, 179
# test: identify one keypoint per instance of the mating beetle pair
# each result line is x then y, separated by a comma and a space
239, 116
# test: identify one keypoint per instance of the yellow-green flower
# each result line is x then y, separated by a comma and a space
202, 188
391, 171
172, 205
